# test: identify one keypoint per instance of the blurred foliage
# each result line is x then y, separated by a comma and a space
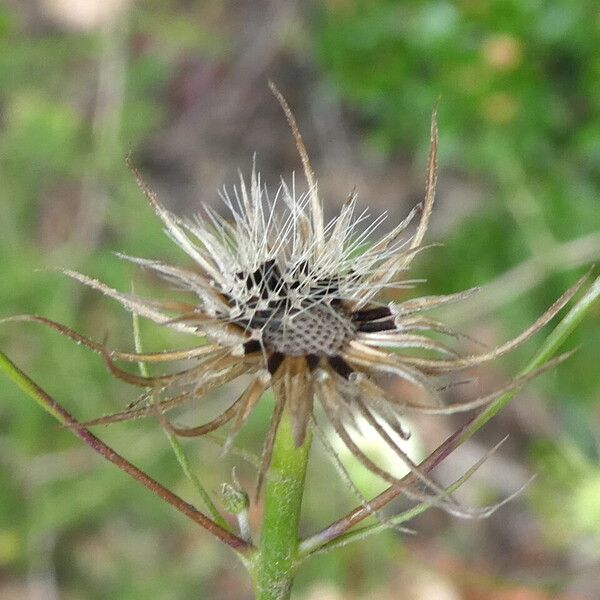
62, 153
568, 494
518, 82
518, 85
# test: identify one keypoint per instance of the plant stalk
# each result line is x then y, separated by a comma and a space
63, 416
274, 565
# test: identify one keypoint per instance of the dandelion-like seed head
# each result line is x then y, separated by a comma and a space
295, 303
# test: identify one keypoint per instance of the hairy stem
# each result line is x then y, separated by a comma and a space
275, 564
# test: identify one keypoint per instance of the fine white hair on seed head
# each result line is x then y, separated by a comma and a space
296, 305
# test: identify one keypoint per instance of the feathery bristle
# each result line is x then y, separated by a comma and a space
292, 302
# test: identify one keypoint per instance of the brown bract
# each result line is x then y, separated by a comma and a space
294, 303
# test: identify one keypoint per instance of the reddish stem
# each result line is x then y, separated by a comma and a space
111, 455
360, 513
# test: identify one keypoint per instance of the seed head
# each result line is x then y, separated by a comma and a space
295, 303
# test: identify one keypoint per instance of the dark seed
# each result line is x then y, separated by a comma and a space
312, 360
252, 346
340, 366
372, 314
374, 326
274, 362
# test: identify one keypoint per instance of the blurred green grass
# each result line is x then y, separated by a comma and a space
58, 505
519, 110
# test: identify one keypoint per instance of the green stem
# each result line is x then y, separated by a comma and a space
276, 562
550, 346
215, 515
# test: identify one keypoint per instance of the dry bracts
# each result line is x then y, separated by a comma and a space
296, 305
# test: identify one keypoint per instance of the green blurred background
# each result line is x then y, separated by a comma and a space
183, 85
